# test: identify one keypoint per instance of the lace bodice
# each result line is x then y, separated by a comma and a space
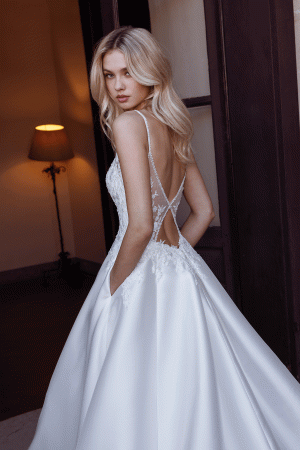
160, 202
160, 254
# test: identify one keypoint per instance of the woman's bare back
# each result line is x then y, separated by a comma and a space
170, 173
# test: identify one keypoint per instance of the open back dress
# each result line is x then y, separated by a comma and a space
167, 362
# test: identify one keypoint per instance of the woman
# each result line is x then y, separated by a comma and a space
159, 356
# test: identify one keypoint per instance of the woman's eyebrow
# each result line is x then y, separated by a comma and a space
123, 69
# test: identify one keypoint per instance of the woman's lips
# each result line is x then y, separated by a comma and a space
122, 98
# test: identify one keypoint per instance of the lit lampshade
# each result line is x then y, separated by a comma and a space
50, 143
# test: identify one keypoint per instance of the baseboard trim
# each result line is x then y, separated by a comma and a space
39, 270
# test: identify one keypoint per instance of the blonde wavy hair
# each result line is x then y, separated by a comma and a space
147, 64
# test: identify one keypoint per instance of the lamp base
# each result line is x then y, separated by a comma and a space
64, 261
69, 271
65, 266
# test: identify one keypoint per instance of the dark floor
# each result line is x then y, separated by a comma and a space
35, 321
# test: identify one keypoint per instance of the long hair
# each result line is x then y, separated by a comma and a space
147, 64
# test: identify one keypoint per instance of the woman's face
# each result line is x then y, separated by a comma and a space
123, 89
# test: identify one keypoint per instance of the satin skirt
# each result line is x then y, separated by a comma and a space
171, 365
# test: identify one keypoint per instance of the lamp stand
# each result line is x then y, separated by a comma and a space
64, 261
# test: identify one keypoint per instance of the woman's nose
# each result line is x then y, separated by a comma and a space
119, 84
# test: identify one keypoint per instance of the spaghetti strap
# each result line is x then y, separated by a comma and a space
147, 128
154, 167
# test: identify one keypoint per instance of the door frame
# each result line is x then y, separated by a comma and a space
244, 57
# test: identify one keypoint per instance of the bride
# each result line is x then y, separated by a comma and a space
159, 357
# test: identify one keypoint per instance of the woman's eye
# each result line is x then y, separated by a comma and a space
108, 75
127, 74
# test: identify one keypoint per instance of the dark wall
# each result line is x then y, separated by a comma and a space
97, 19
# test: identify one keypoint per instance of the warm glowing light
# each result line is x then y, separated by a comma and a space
49, 127
50, 143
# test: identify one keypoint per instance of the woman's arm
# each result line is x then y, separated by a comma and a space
202, 212
131, 145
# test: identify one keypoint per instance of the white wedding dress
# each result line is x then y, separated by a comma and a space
167, 362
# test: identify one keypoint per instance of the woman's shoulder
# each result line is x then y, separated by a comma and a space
129, 119
129, 128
